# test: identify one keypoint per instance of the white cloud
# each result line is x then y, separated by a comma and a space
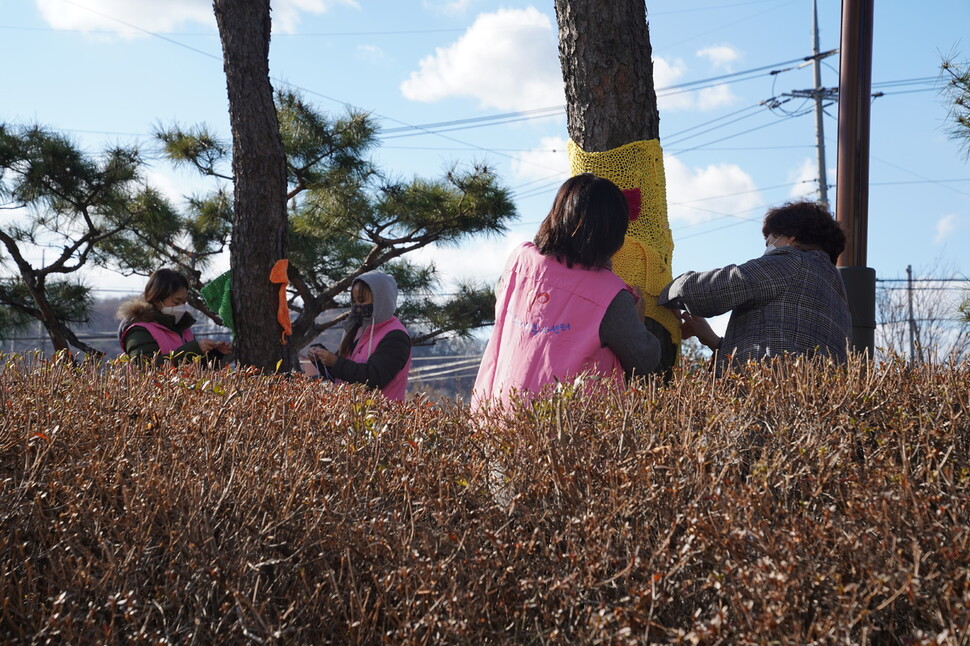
449, 6
177, 184
286, 13
715, 97
168, 182
945, 227
480, 260
720, 56
548, 161
506, 60
132, 18
370, 52
667, 73
112, 15
696, 195
804, 181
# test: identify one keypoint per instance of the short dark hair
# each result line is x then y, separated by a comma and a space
810, 223
163, 283
586, 224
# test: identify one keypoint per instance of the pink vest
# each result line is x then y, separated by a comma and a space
547, 326
167, 340
366, 344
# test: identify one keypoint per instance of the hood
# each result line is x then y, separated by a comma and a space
135, 310
138, 310
384, 289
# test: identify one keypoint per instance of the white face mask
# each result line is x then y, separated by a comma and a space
771, 246
178, 311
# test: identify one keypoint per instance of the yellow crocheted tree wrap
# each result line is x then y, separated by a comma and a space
644, 260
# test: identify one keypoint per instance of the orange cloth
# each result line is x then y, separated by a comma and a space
278, 275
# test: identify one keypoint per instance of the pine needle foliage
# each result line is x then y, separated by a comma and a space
347, 216
69, 208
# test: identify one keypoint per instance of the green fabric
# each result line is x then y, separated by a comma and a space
218, 296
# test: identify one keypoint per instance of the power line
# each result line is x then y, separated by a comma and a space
925, 288
281, 82
550, 111
456, 373
921, 320
672, 140
737, 134
446, 367
708, 8
922, 280
477, 357
465, 123
775, 6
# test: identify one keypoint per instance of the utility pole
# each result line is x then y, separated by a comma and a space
912, 321
823, 97
852, 208
823, 185
915, 345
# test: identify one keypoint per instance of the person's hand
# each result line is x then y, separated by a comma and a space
639, 302
698, 326
208, 345
321, 354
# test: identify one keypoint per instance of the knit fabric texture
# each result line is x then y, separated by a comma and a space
278, 275
217, 294
644, 260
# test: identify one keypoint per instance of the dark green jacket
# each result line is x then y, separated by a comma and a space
138, 342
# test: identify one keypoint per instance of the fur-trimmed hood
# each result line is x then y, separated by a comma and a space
138, 310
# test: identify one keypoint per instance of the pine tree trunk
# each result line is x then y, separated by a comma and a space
259, 233
604, 50
605, 54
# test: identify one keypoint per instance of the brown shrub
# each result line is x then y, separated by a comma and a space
794, 503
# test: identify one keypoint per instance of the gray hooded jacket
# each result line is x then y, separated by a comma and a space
392, 352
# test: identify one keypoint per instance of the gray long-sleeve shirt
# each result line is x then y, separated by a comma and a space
622, 331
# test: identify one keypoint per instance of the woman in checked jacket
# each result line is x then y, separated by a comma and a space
791, 300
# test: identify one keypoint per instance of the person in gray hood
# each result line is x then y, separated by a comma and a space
376, 347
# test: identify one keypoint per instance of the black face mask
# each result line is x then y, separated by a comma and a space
358, 312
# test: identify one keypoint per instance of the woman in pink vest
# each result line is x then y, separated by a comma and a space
560, 311
156, 324
376, 347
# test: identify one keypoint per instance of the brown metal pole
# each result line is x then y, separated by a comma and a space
852, 202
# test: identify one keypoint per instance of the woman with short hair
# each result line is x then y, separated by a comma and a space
791, 300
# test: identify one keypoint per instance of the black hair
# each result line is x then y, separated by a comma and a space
809, 223
586, 224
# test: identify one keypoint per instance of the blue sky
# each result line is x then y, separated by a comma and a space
107, 71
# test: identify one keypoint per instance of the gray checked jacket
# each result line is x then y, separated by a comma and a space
786, 301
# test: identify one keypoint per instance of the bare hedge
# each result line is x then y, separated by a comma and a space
792, 504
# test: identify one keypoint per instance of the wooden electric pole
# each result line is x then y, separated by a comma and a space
852, 202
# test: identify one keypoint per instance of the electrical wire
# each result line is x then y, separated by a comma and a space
737, 134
